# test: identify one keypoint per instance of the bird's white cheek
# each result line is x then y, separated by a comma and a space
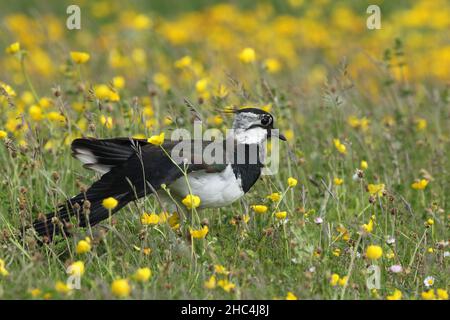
255, 135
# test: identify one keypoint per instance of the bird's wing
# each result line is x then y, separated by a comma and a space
125, 162
102, 155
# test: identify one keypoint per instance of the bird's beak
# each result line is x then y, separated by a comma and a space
277, 134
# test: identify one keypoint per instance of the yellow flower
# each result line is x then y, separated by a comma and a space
364, 165
334, 279
343, 281
274, 197
200, 233
259, 208
390, 254
162, 81
247, 55
184, 62
291, 296
3, 270
36, 113
118, 82
376, 189
421, 124
141, 22
442, 294
289, 135
211, 283
337, 252
374, 252
149, 218
56, 117
281, 215
3, 134
220, 269
428, 295
157, 140
106, 121
191, 201
339, 146
338, 181
62, 288
121, 288
110, 203
79, 57
272, 65
292, 182
167, 120
76, 268
201, 85
368, 227
226, 285
396, 295
13, 48
83, 246
430, 250
142, 274
36, 292
429, 222
104, 92
420, 184
174, 221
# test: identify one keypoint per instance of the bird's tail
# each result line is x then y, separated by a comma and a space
81, 210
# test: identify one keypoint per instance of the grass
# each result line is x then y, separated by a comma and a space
406, 138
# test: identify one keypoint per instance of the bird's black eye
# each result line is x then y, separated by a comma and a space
266, 120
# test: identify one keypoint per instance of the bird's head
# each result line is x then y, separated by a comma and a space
252, 125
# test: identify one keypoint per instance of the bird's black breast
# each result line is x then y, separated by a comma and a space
247, 165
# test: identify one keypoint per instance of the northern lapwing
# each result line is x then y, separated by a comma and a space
134, 168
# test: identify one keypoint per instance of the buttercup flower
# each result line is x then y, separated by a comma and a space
121, 288
442, 294
13, 48
83, 246
62, 287
191, 201
376, 189
339, 146
226, 285
396, 295
428, 295
157, 140
220, 269
259, 208
247, 55
142, 274
110, 203
291, 296
79, 57
211, 283
274, 197
281, 215
292, 182
200, 233
374, 252
420, 184
76, 268
3, 134
149, 218
364, 165
3, 270
338, 181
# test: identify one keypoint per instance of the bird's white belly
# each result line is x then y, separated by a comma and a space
214, 189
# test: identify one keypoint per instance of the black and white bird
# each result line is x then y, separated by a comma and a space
133, 168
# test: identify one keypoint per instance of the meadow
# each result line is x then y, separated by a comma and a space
364, 176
